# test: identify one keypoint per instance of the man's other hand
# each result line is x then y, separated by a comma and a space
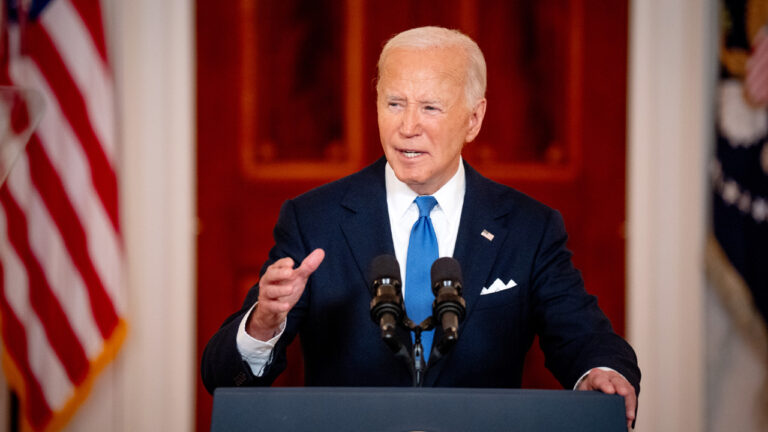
611, 382
280, 288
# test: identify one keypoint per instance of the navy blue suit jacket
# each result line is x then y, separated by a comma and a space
342, 346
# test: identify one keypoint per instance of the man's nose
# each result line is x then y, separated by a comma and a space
410, 125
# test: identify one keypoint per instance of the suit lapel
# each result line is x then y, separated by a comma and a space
366, 225
475, 253
474, 250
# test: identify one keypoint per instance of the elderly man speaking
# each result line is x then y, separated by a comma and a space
419, 202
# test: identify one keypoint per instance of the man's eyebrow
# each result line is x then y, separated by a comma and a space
430, 102
397, 98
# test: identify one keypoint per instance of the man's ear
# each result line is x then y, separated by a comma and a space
476, 119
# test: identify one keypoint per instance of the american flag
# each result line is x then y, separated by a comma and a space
61, 307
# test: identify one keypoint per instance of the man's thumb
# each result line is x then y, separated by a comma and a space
311, 263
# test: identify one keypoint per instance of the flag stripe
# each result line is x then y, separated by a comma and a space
71, 164
63, 278
50, 188
15, 342
757, 65
70, 37
59, 332
14, 333
90, 11
73, 107
45, 365
43, 362
757, 69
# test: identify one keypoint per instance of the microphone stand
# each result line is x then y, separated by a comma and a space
417, 366
415, 359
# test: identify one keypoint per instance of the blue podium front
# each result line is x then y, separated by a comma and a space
319, 409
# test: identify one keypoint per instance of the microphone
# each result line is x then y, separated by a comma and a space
449, 307
387, 302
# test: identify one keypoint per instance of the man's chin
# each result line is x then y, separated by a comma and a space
409, 177
419, 185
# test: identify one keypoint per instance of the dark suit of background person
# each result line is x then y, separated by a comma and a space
502, 235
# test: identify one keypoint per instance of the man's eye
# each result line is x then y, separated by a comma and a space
395, 104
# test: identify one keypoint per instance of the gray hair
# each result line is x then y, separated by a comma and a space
439, 37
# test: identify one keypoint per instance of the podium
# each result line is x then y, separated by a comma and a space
387, 409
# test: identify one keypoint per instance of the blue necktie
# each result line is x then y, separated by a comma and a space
422, 252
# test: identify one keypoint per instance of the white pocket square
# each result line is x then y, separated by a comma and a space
497, 286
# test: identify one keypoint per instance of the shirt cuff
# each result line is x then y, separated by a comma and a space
253, 351
578, 382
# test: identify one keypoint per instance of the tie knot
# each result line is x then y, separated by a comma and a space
425, 203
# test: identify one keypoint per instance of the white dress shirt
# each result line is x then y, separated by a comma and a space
403, 213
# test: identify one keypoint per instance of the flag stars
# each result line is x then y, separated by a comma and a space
760, 210
745, 202
732, 194
743, 124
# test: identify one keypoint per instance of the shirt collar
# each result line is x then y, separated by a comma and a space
449, 197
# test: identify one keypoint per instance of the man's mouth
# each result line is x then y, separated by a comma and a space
411, 153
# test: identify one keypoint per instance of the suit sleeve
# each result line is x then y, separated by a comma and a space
222, 365
574, 333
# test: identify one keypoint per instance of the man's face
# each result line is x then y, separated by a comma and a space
423, 116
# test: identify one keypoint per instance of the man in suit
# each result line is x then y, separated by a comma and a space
518, 276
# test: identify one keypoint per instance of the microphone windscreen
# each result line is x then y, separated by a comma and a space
383, 266
446, 268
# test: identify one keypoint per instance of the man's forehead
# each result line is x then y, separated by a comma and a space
451, 60
427, 67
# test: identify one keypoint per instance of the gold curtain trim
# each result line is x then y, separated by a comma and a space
735, 59
736, 297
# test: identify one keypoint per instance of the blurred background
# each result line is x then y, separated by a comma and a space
198, 119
